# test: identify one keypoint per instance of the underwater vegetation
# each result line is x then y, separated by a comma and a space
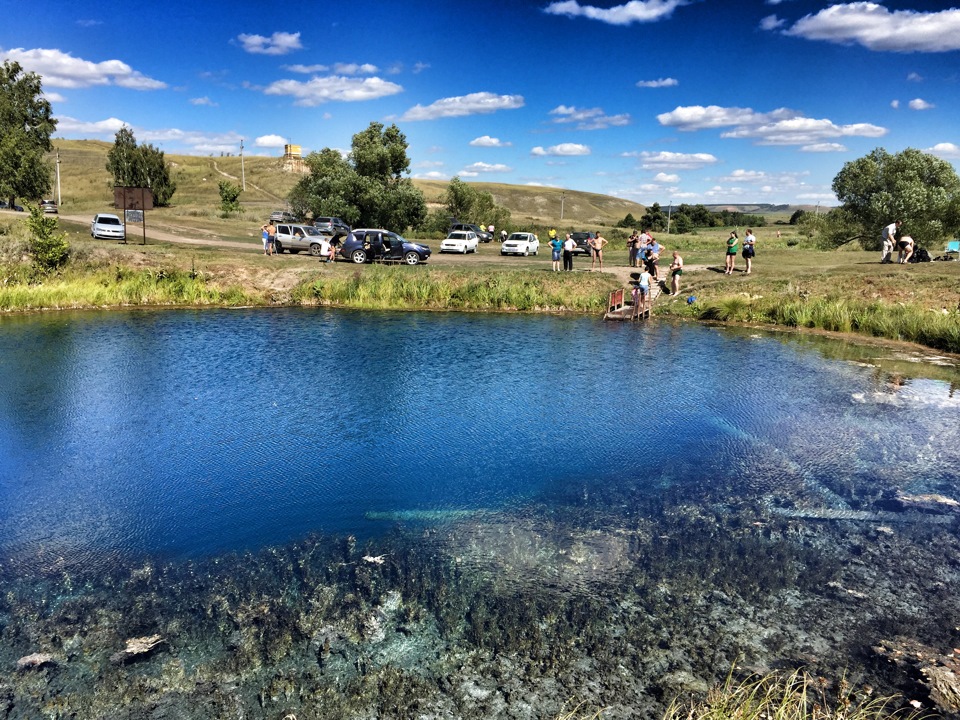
500, 615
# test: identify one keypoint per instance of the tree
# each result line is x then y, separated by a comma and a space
467, 204
628, 221
140, 166
48, 247
229, 197
368, 188
654, 219
681, 223
26, 124
921, 190
797, 214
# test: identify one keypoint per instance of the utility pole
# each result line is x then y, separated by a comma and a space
59, 199
243, 175
669, 213
561, 205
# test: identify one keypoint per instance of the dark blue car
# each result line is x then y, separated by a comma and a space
361, 246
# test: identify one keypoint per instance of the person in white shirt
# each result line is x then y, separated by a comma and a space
568, 247
889, 236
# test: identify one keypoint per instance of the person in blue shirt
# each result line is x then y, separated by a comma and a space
556, 248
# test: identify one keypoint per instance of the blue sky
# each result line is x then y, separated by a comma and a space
651, 100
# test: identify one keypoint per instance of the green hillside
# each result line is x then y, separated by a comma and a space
85, 186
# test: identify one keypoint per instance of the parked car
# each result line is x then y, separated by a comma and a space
331, 226
583, 240
107, 227
520, 243
461, 241
294, 238
49, 206
482, 235
368, 245
282, 216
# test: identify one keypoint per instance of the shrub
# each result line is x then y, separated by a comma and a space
48, 247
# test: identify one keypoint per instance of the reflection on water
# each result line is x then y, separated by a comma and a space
576, 496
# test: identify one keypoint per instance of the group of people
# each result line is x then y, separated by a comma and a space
891, 237
733, 247
269, 234
567, 247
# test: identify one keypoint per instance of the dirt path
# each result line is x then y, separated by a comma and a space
136, 235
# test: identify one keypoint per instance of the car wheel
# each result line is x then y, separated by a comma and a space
536, 251
315, 249
526, 252
358, 257
277, 247
464, 249
411, 258
293, 252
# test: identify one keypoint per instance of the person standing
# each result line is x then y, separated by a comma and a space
632, 243
326, 250
652, 262
643, 283
889, 237
271, 237
556, 249
568, 247
676, 270
749, 249
731, 260
503, 235
266, 237
598, 242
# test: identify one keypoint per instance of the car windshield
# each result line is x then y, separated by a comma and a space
107, 220
310, 230
517, 236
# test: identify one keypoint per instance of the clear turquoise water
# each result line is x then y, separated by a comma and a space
183, 434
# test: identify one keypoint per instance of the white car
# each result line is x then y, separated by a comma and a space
461, 241
520, 243
107, 227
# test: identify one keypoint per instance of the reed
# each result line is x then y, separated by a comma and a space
390, 287
785, 696
896, 321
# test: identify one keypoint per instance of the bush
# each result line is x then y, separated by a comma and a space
49, 248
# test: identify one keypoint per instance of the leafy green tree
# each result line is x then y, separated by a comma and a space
26, 124
629, 221
466, 203
48, 247
921, 190
681, 223
366, 189
797, 214
229, 197
655, 218
140, 166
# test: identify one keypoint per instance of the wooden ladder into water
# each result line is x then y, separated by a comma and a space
620, 308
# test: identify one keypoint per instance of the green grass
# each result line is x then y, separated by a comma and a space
786, 696
393, 287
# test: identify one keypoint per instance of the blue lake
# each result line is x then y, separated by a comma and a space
189, 433
328, 514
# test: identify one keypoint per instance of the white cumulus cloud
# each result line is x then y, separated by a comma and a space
771, 22
280, 43
588, 118
662, 177
635, 11
270, 141
877, 28
778, 127
203, 101
319, 90
487, 141
824, 148
477, 103
60, 69
920, 104
561, 150
945, 150
665, 160
482, 167
662, 82
72, 126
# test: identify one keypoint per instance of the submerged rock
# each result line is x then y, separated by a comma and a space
137, 647
939, 673
36, 660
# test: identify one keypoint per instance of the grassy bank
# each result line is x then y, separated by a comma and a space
387, 287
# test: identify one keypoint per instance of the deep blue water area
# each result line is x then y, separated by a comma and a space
188, 433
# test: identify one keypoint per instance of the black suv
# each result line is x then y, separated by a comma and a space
369, 245
583, 240
331, 226
482, 235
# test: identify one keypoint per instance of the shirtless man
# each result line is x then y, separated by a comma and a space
598, 242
